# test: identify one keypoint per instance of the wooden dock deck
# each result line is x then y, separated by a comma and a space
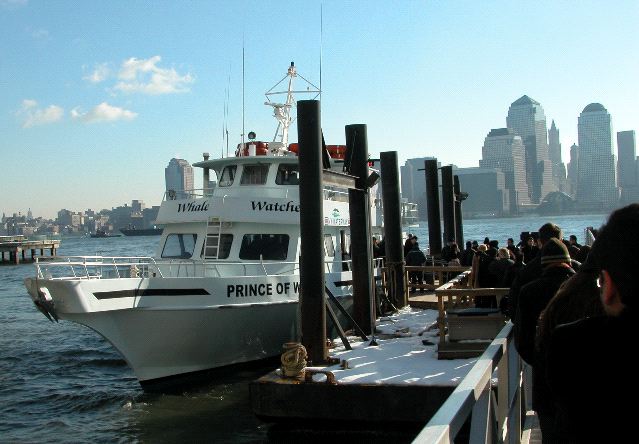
17, 249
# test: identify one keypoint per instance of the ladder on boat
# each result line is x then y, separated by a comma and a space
213, 237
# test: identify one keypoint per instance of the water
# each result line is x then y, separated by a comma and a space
64, 383
502, 229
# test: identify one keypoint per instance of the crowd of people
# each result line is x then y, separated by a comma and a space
573, 308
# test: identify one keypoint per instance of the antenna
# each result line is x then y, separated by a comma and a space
242, 91
321, 41
226, 110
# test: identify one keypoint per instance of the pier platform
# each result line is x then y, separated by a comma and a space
20, 249
400, 380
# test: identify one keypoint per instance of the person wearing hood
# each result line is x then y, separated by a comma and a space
533, 298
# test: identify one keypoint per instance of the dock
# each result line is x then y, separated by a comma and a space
399, 380
17, 249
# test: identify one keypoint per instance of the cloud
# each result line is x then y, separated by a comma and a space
13, 4
144, 76
31, 115
103, 113
39, 34
99, 74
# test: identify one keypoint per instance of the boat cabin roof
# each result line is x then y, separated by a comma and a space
219, 164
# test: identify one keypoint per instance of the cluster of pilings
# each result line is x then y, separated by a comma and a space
277, 397
313, 178
452, 197
14, 250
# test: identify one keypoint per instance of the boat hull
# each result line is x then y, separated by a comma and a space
165, 327
162, 343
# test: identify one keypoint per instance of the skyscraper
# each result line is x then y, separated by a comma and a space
627, 154
504, 149
554, 152
573, 170
526, 117
627, 166
179, 177
487, 192
597, 178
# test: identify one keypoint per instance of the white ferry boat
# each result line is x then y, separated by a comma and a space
223, 286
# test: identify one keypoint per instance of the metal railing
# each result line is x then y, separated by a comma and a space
117, 267
494, 408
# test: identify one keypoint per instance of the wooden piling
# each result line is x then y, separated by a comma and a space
361, 241
393, 228
312, 299
448, 203
432, 206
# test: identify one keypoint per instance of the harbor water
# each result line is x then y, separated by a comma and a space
64, 383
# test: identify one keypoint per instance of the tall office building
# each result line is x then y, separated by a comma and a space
597, 170
526, 117
627, 166
626, 148
504, 149
554, 152
179, 177
413, 182
487, 192
573, 170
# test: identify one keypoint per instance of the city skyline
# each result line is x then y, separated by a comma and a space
105, 103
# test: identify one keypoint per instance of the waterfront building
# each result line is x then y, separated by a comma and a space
503, 149
526, 117
413, 183
554, 152
487, 192
179, 177
597, 172
573, 172
627, 166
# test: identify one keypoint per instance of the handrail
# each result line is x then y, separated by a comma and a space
144, 266
494, 418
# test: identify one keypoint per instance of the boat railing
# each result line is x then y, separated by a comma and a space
118, 267
493, 407
195, 193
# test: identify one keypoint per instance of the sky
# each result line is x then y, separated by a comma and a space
97, 97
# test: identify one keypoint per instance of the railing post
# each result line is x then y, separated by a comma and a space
503, 392
481, 422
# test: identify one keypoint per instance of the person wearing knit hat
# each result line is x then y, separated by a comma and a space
554, 252
533, 298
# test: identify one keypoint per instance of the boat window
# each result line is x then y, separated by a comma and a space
329, 247
287, 174
228, 175
271, 247
254, 174
179, 246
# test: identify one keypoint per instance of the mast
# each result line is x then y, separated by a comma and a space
282, 111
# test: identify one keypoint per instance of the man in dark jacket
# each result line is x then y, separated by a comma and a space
590, 370
415, 258
532, 270
533, 298
468, 254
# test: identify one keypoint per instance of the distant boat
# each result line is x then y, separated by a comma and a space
102, 233
141, 232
